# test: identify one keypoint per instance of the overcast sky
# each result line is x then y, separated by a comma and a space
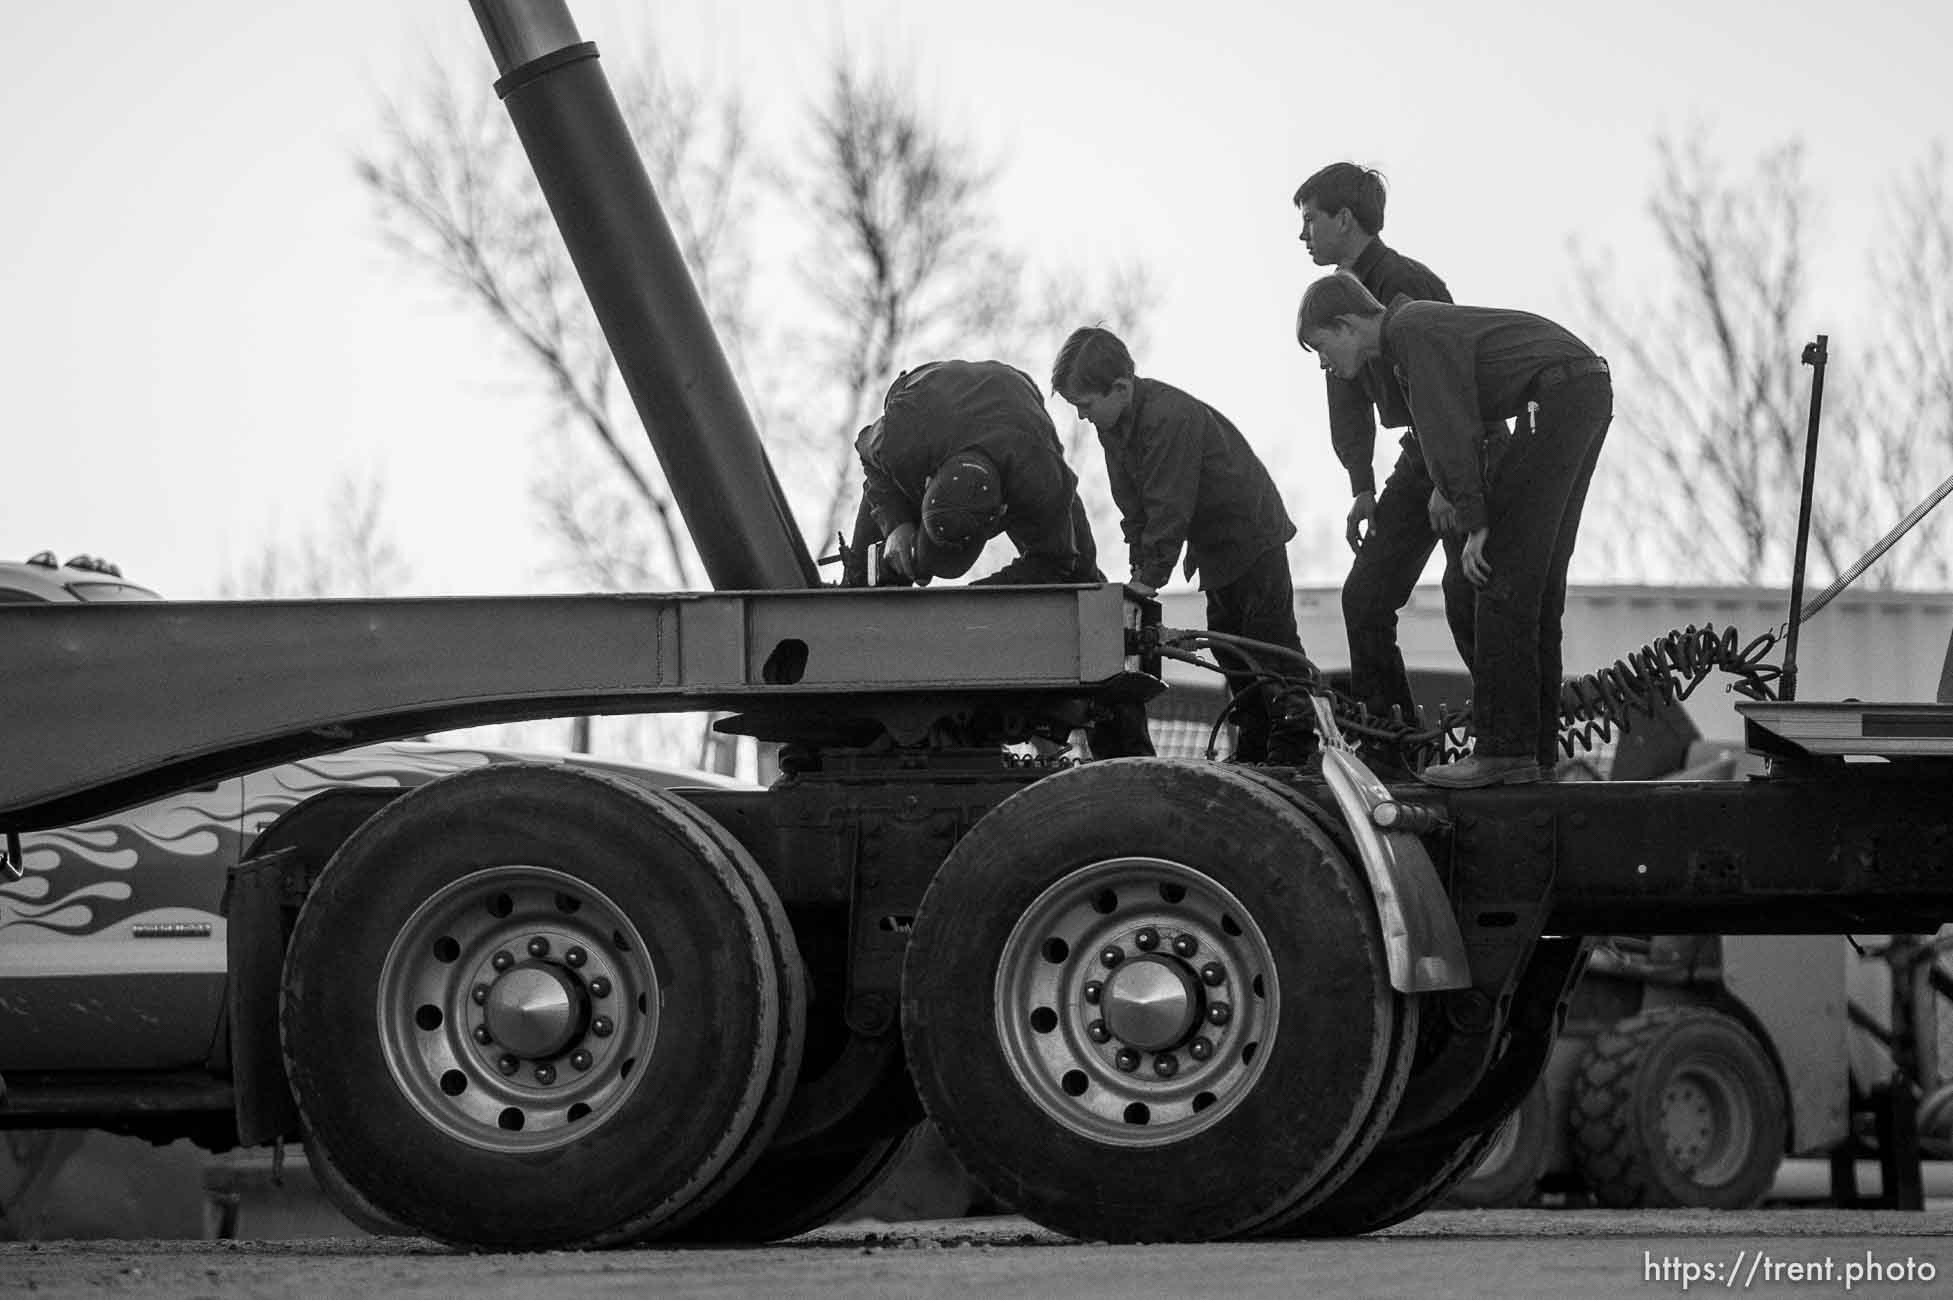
201, 330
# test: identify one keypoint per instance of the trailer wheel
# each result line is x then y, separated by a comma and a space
791, 1192
1399, 1181
1148, 1000
1508, 1173
345, 1198
1678, 1106
1295, 1221
528, 1006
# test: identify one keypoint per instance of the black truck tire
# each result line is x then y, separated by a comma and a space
1678, 1107
1399, 1181
1115, 886
1348, 1177
1508, 1173
531, 1007
791, 1192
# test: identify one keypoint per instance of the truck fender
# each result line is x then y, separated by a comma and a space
261, 902
1420, 932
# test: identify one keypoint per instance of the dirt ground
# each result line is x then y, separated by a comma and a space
1518, 1253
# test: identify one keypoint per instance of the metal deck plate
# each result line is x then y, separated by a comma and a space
1852, 727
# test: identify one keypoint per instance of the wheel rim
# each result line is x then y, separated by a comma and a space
1136, 1001
514, 1007
1706, 1123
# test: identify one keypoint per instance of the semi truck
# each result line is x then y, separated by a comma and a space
1151, 999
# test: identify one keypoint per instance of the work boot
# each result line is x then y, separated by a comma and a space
1250, 746
1292, 750
1292, 740
1479, 770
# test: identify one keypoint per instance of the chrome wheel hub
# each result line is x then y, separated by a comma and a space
515, 1006
1152, 1004
534, 1011
1136, 1001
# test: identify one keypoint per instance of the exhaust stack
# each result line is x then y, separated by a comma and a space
636, 278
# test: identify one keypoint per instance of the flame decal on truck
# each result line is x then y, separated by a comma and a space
376, 767
186, 843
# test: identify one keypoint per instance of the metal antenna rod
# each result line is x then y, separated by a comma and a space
1879, 548
1815, 355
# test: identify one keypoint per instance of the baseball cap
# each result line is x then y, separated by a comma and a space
963, 502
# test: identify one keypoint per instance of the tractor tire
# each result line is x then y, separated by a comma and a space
1508, 1174
1678, 1107
529, 1007
1148, 1000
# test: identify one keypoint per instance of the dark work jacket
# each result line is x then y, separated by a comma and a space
1182, 474
1462, 368
939, 409
1356, 404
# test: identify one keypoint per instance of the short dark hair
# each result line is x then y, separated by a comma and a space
1091, 361
1346, 185
1330, 299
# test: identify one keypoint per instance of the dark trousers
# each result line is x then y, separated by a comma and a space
1386, 568
1260, 604
1533, 510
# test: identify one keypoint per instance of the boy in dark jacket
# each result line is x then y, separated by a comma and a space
1183, 477
1465, 369
965, 450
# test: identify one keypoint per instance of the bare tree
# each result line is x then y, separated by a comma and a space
1903, 430
457, 197
1703, 474
906, 265
900, 234
352, 553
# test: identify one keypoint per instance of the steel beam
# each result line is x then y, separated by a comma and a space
1860, 848
125, 702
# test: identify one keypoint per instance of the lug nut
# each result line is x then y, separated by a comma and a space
502, 961
1127, 1060
1185, 945
1219, 1013
1146, 940
545, 1075
1097, 1032
480, 994
539, 947
1166, 1065
507, 1065
576, 957
1212, 975
580, 1059
602, 1027
482, 1035
1111, 957
1094, 991
1200, 1049
600, 987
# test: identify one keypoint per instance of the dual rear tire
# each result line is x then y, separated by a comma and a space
1148, 1000
528, 1006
